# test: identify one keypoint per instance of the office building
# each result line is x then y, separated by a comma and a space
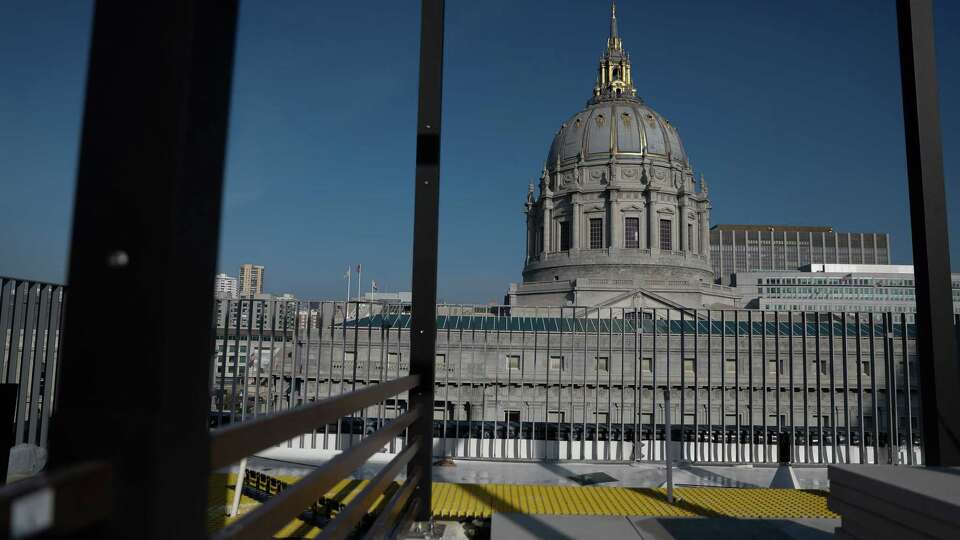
758, 248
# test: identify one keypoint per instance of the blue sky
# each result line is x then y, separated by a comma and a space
791, 110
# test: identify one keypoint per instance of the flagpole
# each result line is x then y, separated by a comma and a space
359, 281
346, 305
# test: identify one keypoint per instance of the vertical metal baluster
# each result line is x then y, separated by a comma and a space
806, 391
527, 415
52, 357
736, 386
873, 389
764, 367
573, 342
236, 361
637, 389
751, 437
793, 421
893, 390
819, 370
623, 404
653, 397
609, 441
711, 447
258, 363
859, 371
596, 391
906, 388
846, 386
7, 286
683, 385
32, 409
777, 370
696, 387
888, 370
833, 390
484, 378
723, 385
334, 309
316, 386
343, 362
20, 316
583, 387
369, 360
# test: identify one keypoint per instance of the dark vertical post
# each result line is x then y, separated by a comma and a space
145, 231
423, 331
939, 374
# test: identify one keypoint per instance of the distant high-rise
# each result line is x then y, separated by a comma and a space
225, 286
759, 248
251, 280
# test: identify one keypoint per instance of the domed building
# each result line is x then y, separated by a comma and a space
619, 220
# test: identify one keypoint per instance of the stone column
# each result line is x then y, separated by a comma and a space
547, 223
615, 236
704, 233
574, 222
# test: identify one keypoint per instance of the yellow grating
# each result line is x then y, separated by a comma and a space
458, 501
462, 501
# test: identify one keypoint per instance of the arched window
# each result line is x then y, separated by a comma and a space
616, 73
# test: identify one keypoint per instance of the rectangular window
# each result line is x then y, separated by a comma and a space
513, 361
689, 365
865, 367
646, 364
596, 233
773, 367
731, 365
602, 363
689, 243
666, 235
564, 236
631, 229
556, 416
556, 362
511, 416
602, 417
393, 357
349, 356
441, 361
646, 418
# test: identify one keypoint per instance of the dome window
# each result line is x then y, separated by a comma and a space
616, 73
626, 119
600, 120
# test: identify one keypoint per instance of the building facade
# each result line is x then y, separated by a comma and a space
618, 211
865, 288
758, 248
251, 280
225, 286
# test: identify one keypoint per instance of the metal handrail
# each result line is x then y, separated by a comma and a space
348, 517
266, 519
232, 443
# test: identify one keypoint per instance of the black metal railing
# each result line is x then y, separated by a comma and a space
30, 328
576, 383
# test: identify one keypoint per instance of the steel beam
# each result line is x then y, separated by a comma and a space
134, 389
423, 329
938, 371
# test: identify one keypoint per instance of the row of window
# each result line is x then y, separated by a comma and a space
631, 238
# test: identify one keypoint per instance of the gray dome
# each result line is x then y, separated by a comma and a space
640, 132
